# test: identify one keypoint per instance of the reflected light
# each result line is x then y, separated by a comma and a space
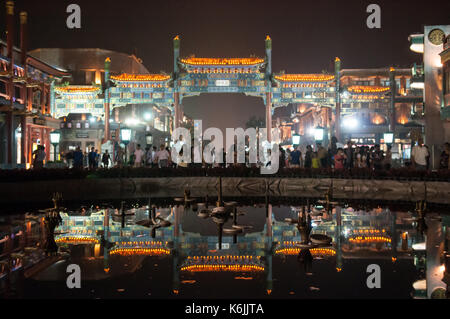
416, 47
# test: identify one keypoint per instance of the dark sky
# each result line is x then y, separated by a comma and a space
306, 36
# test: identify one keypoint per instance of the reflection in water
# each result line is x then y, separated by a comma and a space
251, 251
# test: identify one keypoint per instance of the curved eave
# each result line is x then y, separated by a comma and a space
300, 78
139, 78
44, 67
202, 63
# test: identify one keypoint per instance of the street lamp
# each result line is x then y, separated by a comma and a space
125, 137
388, 138
54, 140
295, 139
149, 138
318, 134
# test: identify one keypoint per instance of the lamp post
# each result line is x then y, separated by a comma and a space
318, 134
149, 138
295, 139
388, 138
54, 140
125, 137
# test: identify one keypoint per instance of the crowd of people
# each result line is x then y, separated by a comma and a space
309, 156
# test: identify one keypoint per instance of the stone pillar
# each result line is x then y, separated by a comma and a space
337, 120
9, 47
269, 115
268, 76
176, 94
393, 88
106, 132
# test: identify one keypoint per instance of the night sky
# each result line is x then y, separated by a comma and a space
306, 36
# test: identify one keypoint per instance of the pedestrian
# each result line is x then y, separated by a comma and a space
163, 157
39, 157
105, 159
444, 162
322, 155
77, 158
419, 155
308, 156
296, 155
91, 158
315, 162
349, 155
148, 156
388, 158
377, 158
339, 159
282, 157
154, 159
138, 156
96, 159
119, 157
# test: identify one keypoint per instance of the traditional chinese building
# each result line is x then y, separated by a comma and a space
25, 97
81, 106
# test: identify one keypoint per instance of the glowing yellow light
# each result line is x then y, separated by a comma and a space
77, 89
222, 61
76, 239
367, 89
140, 77
305, 77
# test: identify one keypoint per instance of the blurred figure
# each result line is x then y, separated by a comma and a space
105, 159
349, 155
138, 156
39, 157
119, 157
91, 158
163, 157
322, 155
419, 156
377, 158
96, 160
308, 156
296, 156
315, 162
388, 158
444, 162
339, 159
77, 158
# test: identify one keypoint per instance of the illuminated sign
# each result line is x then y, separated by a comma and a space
222, 82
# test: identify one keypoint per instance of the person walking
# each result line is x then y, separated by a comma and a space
77, 158
419, 155
444, 162
388, 158
315, 162
119, 157
349, 155
339, 159
308, 157
163, 157
91, 158
148, 156
295, 157
105, 159
39, 157
138, 156
322, 155
377, 158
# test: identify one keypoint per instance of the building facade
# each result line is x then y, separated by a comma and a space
25, 97
81, 107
